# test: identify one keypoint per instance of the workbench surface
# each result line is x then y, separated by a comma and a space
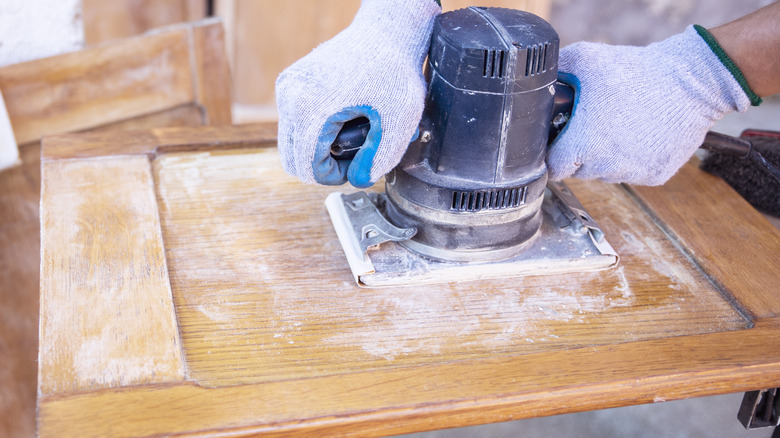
189, 286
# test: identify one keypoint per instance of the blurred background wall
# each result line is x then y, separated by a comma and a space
640, 22
32, 29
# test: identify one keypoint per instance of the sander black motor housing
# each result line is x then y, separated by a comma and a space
474, 180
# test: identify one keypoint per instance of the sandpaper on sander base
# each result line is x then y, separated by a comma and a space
562, 245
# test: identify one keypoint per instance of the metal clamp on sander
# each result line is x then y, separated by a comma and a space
470, 198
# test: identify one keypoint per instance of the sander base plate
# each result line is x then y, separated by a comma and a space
568, 241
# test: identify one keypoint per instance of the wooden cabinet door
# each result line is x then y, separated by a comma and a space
189, 286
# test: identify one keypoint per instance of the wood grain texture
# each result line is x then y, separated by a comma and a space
161, 140
20, 277
259, 280
188, 115
89, 88
106, 316
278, 341
160, 72
270, 35
194, 9
434, 396
703, 225
212, 72
20, 193
110, 20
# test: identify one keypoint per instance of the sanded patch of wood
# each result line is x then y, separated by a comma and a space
263, 291
106, 315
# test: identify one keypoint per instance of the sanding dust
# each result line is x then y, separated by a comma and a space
493, 321
99, 362
679, 275
261, 282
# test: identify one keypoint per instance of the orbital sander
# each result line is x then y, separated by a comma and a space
470, 199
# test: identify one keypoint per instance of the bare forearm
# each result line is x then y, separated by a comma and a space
753, 43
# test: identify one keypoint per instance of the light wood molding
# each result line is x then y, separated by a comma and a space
154, 141
212, 72
159, 71
107, 317
437, 396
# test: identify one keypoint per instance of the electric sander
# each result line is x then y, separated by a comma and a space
470, 198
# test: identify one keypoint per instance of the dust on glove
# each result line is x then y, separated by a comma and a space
640, 112
372, 69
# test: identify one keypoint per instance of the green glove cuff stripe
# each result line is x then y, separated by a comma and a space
438, 2
755, 100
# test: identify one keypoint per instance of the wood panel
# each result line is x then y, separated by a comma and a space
278, 340
89, 88
106, 314
20, 275
270, 35
263, 291
131, 78
752, 240
441, 395
109, 20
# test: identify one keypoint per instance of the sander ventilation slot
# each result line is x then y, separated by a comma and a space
494, 64
488, 199
536, 60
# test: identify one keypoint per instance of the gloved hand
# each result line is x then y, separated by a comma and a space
371, 69
641, 112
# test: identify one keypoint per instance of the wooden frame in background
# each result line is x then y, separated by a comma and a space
177, 76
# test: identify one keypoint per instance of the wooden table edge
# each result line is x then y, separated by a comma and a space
157, 141
466, 398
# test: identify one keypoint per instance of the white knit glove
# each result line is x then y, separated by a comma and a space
372, 69
641, 112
